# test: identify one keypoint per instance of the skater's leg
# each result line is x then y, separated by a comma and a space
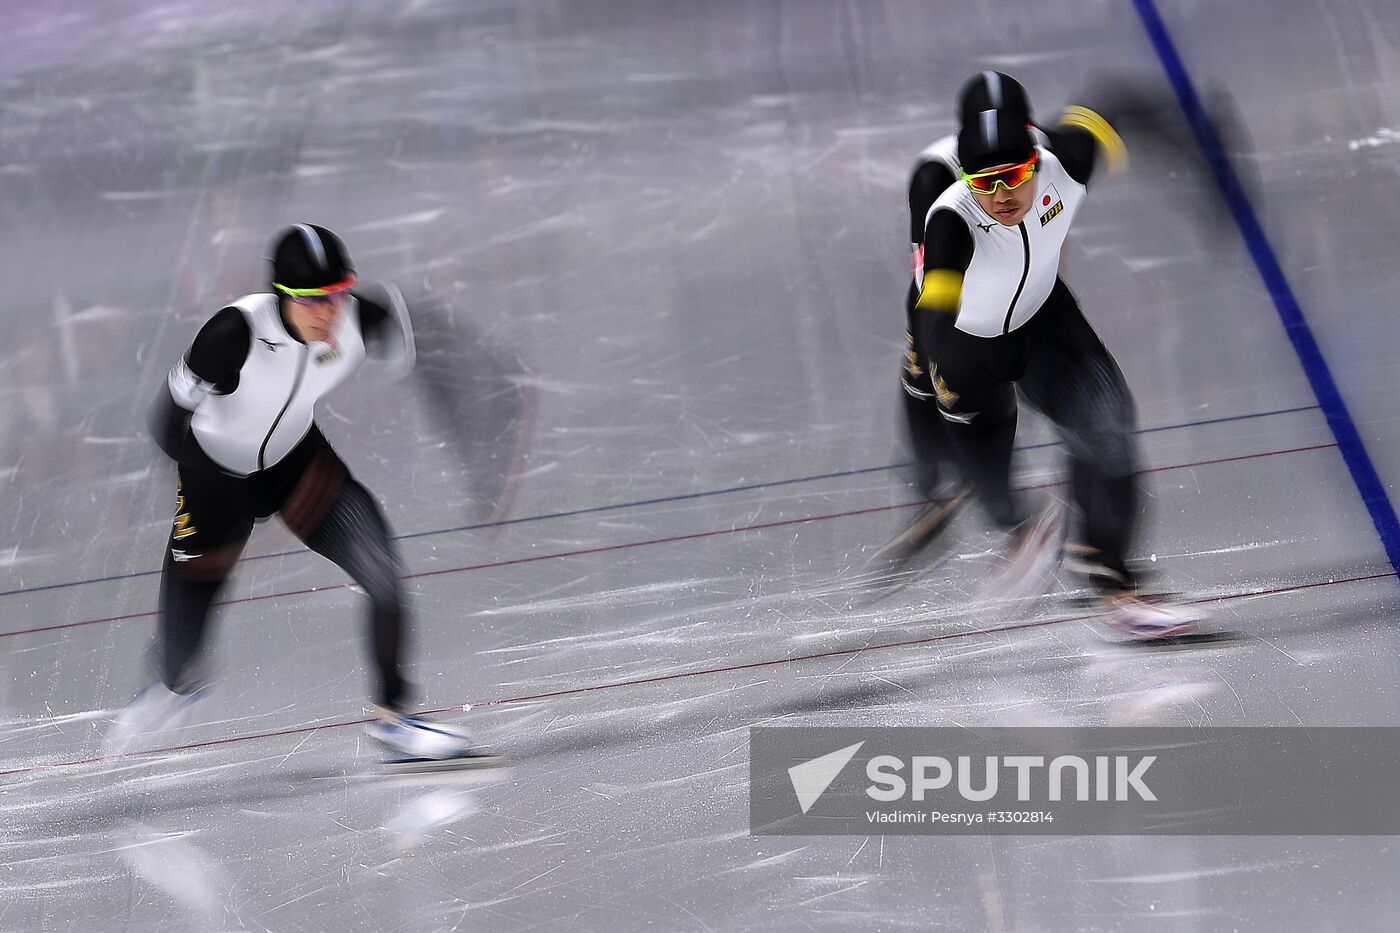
211, 525
339, 519
1109, 508
935, 472
977, 400
983, 444
1075, 381
974, 382
210, 529
935, 463
187, 594
1034, 542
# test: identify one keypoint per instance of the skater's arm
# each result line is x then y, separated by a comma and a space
947, 254
211, 365
386, 324
930, 179
1080, 136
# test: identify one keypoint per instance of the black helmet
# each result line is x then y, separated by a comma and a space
992, 90
994, 137
307, 259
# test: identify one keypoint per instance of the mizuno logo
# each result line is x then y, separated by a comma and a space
987, 228
269, 344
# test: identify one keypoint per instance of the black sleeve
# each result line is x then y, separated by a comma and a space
373, 315
930, 180
221, 347
215, 359
1076, 149
947, 246
947, 242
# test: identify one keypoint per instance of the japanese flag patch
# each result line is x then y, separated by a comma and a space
1048, 204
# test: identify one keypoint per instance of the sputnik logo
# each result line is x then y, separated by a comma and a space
811, 778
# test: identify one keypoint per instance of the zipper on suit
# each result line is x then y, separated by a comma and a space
302, 352
1025, 274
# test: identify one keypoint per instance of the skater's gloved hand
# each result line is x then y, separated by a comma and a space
170, 427
387, 325
1157, 130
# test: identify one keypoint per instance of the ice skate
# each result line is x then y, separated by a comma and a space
1087, 563
1146, 619
1094, 577
1032, 558
928, 528
155, 710
413, 743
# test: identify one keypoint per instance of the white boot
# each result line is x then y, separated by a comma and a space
1148, 620
154, 711
413, 738
1033, 557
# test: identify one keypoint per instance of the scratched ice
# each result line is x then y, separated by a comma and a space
659, 250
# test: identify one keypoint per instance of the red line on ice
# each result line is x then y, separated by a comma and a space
682, 675
608, 548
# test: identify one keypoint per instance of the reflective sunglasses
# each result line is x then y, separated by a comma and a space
324, 293
1009, 178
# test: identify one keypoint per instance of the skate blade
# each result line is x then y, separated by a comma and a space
399, 765
916, 550
1003, 586
924, 529
898, 556
1149, 636
890, 569
879, 582
1092, 599
1192, 639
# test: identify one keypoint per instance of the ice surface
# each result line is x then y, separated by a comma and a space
659, 248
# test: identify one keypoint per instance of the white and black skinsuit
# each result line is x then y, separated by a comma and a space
237, 415
992, 314
936, 169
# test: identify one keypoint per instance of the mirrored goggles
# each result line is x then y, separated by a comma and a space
1009, 178
325, 292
